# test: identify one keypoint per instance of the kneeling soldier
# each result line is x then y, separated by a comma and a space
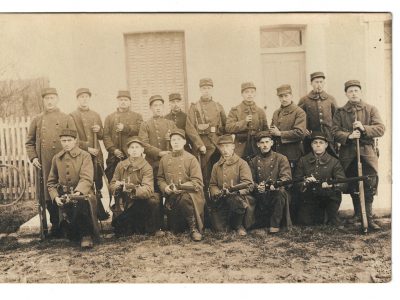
232, 205
318, 193
271, 173
180, 179
137, 207
70, 186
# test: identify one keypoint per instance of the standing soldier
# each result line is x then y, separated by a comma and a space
88, 124
322, 198
288, 126
231, 207
209, 119
43, 143
179, 118
180, 180
72, 174
268, 168
245, 120
319, 107
359, 120
133, 182
118, 128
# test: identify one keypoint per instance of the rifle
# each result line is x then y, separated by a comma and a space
278, 183
187, 188
316, 184
232, 189
44, 231
167, 140
248, 152
71, 198
364, 219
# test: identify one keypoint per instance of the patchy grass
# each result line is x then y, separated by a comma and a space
12, 217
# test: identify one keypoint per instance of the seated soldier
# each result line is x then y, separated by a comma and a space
317, 195
179, 178
231, 205
271, 173
70, 186
136, 207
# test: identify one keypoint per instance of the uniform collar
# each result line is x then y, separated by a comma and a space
288, 109
316, 96
74, 152
51, 111
122, 110
267, 155
230, 161
358, 106
248, 107
83, 109
177, 153
324, 159
136, 163
206, 100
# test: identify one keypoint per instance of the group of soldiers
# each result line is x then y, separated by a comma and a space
206, 169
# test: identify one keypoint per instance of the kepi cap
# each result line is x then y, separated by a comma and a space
206, 81
134, 139
49, 91
317, 75
284, 89
225, 139
175, 96
263, 134
318, 135
247, 85
82, 91
126, 94
155, 98
350, 83
178, 132
68, 132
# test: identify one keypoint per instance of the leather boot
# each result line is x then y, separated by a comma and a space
194, 232
237, 224
356, 218
371, 222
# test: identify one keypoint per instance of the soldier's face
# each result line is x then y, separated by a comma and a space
175, 105
50, 101
318, 84
265, 144
206, 91
67, 142
353, 93
249, 94
157, 107
83, 100
124, 102
177, 142
319, 146
227, 149
286, 99
135, 150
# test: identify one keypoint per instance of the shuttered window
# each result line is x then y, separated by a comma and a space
155, 66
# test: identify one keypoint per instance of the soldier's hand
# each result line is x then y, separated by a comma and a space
272, 188
325, 185
358, 124
249, 118
275, 131
356, 134
96, 128
120, 127
93, 151
261, 188
118, 153
310, 179
162, 153
203, 149
58, 201
307, 132
77, 193
168, 190
36, 163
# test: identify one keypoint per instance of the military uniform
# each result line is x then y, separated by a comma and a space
208, 118
185, 210
43, 142
140, 207
342, 127
115, 140
291, 121
272, 207
244, 132
234, 210
315, 201
319, 108
74, 170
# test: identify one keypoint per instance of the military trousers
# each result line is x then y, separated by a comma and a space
179, 208
270, 208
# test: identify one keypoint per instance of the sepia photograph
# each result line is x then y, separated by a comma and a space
196, 147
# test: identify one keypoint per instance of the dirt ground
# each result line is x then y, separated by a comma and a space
318, 254
12, 217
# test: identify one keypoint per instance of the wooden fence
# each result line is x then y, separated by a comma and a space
13, 132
